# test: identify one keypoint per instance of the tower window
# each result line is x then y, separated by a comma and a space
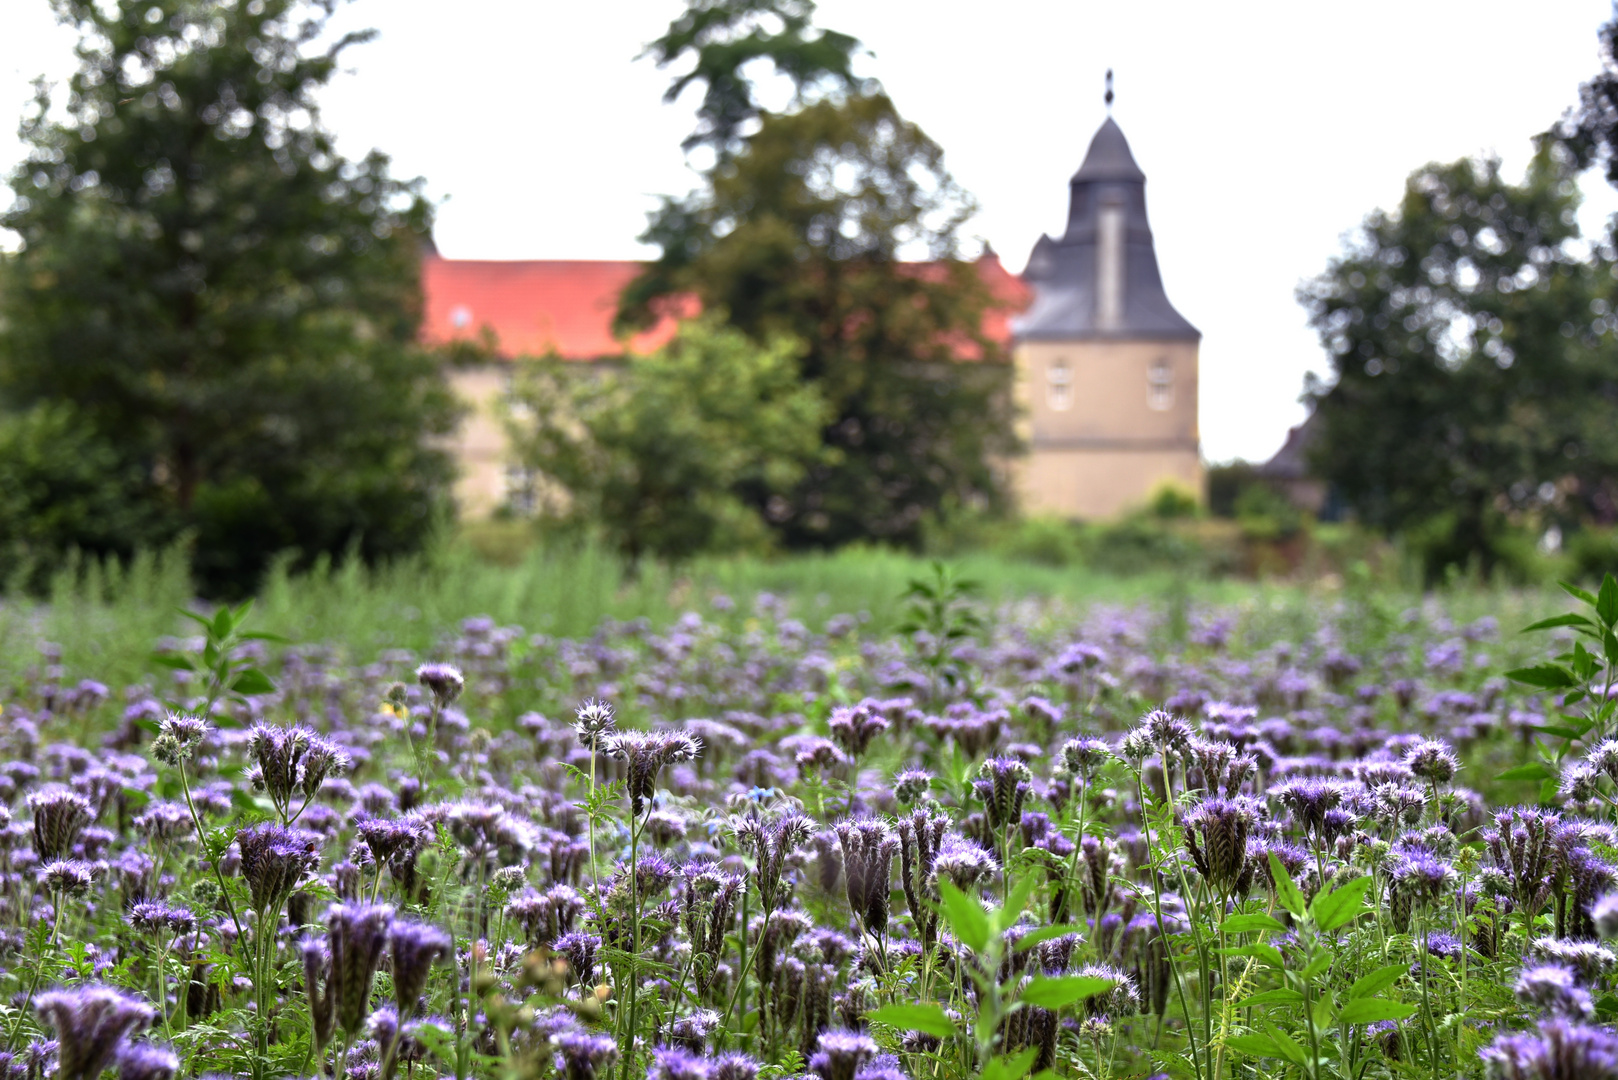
1159, 386
1059, 386
1110, 267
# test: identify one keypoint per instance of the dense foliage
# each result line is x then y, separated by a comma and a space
802, 227
1473, 364
653, 453
228, 303
1207, 844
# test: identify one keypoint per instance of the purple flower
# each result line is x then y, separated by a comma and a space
840, 1054
1561, 1050
274, 859
579, 950
647, 752
594, 724
1556, 990
147, 1061
60, 815
443, 681
1003, 783
868, 848
413, 949
1216, 835
89, 1023
677, 1063
584, 1055
853, 727
358, 934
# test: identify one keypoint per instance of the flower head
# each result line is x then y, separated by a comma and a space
413, 949
840, 1054
444, 681
90, 1022
595, 722
60, 815
146, 1061
358, 934
274, 859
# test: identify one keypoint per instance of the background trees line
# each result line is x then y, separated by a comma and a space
211, 328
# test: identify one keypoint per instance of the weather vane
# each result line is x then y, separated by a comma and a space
1108, 98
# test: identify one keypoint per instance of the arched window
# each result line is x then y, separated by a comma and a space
1160, 386
1059, 385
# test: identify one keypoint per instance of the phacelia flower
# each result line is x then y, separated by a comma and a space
594, 723
90, 1022
413, 949
443, 681
647, 752
274, 859
60, 815
358, 934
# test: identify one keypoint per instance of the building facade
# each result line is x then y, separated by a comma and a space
1106, 367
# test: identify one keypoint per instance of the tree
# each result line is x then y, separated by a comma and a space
1473, 371
799, 229
653, 453
228, 302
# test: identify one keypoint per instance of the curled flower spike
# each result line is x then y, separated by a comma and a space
358, 933
1560, 1050
1003, 783
90, 1022
1216, 835
647, 752
274, 859
853, 727
868, 849
178, 737
1556, 990
840, 1054
413, 949
1432, 759
60, 816
586, 1055
147, 1061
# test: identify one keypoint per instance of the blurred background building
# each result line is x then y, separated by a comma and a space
1106, 367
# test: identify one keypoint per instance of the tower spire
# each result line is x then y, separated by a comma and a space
1108, 97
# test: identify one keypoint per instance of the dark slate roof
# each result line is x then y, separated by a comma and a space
1063, 270
1291, 462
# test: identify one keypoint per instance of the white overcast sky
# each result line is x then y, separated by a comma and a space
1266, 130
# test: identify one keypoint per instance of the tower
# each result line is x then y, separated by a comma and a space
1106, 368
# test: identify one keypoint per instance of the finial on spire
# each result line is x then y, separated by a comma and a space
1108, 97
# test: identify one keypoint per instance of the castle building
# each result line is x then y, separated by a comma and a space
1106, 367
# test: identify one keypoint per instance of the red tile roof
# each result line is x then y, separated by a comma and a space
536, 307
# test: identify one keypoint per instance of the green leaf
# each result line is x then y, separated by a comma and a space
965, 917
1007, 916
1377, 981
223, 623
1534, 770
1063, 990
1271, 997
1570, 619
178, 663
928, 1018
1607, 600
1254, 1046
1556, 730
1321, 1012
1290, 1048
1342, 905
1014, 1067
1261, 949
1370, 1010
1241, 924
252, 681
1577, 593
1544, 676
1286, 890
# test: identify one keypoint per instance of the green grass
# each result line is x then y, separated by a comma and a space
105, 619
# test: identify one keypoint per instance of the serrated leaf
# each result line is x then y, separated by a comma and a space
1377, 981
1342, 905
965, 917
1241, 924
1286, 890
1544, 676
1060, 991
925, 1017
1371, 1010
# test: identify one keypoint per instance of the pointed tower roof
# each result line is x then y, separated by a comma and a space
1109, 157
1065, 271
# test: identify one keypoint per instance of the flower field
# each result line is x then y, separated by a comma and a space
1030, 840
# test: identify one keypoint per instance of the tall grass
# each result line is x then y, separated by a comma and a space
102, 619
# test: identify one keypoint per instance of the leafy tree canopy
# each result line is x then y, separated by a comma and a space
225, 298
653, 454
1473, 368
798, 230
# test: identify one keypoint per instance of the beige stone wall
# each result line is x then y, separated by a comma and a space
480, 445
1105, 423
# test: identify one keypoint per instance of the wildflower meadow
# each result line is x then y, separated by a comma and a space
999, 840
